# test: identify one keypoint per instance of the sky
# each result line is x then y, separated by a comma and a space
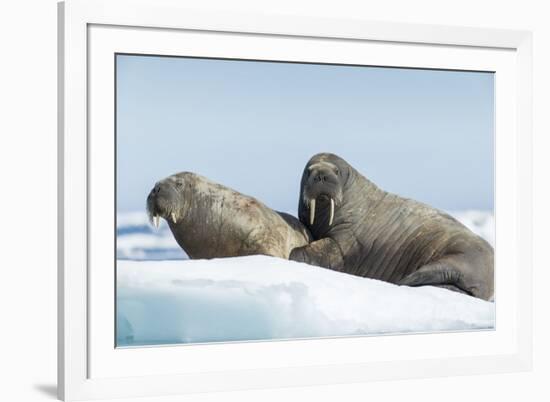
252, 126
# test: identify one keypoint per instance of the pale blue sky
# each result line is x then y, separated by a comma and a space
253, 125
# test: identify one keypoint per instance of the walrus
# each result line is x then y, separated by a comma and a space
209, 220
363, 230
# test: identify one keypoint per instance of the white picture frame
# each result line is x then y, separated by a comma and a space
90, 32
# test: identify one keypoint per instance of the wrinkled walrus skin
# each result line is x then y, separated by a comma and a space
209, 220
363, 230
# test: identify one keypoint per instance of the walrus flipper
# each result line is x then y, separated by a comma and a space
438, 273
323, 253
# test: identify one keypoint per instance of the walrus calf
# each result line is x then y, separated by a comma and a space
209, 220
362, 230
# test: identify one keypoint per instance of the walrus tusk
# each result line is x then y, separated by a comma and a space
156, 221
174, 218
331, 212
312, 211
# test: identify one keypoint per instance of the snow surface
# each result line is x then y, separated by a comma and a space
260, 297
163, 298
137, 240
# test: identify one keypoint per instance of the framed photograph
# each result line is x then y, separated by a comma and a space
251, 201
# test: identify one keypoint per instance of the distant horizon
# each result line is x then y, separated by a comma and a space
252, 126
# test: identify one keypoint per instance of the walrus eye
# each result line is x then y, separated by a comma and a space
337, 172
